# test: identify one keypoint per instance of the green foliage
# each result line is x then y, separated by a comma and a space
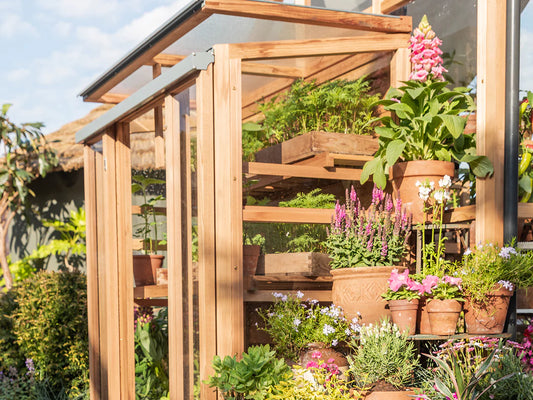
425, 125
293, 323
50, 325
254, 139
293, 237
151, 357
70, 245
10, 355
148, 214
525, 170
382, 354
250, 378
335, 106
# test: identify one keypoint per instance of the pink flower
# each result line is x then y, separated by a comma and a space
311, 364
396, 280
425, 53
429, 282
452, 281
316, 354
419, 75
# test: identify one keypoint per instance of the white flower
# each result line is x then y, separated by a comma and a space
334, 342
507, 285
299, 294
439, 196
468, 252
328, 329
418, 184
445, 182
284, 298
277, 295
296, 322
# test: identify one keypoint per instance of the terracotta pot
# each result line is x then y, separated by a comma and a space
424, 326
524, 298
326, 354
404, 176
358, 290
250, 258
488, 317
162, 276
404, 314
145, 268
443, 316
398, 395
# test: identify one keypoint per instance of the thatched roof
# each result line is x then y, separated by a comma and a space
70, 153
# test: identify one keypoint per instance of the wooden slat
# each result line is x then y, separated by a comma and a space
89, 172
304, 15
159, 210
525, 210
388, 6
111, 265
466, 213
102, 274
159, 140
491, 36
151, 302
112, 98
317, 47
228, 200
293, 278
262, 296
144, 292
206, 230
301, 171
400, 67
376, 7
286, 214
125, 261
138, 245
174, 254
150, 53
347, 159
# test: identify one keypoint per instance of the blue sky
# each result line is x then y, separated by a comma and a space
52, 49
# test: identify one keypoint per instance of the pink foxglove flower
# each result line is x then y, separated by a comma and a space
426, 54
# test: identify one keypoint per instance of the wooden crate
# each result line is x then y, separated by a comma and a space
312, 143
304, 264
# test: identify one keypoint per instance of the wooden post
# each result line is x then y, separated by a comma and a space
400, 67
159, 144
206, 229
376, 6
228, 202
89, 172
491, 28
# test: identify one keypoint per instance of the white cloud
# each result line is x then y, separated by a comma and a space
78, 9
18, 74
63, 28
13, 24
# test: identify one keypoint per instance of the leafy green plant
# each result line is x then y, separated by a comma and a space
151, 354
525, 170
252, 377
426, 123
382, 353
292, 323
50, 324
335, 106
254, 138
148, 214
70, 245
26, 157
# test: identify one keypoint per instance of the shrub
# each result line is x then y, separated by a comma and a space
10, 355
50, 325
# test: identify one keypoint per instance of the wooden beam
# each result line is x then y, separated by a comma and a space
318, 47
400, 67
159, 140
174, 255
228, 201
301, 171
144, 292
387, 6
112, 98
310, 16
156, 48
376, 7
286, 214
124, 261
206, 230
261, 296
491, 37
89, 172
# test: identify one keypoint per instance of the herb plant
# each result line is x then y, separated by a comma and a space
373, 237
336, 106
382, 353
148, 214
252, 377
292, 323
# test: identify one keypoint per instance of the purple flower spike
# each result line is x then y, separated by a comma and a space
353, 195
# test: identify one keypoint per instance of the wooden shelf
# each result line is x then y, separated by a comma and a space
287, 214
146, 292
456, 337
265, 296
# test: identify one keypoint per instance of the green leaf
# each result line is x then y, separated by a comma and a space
369, 169
5, 108
414, 93
454, 124
385, 132
525, 183
394, 151
379, 177
443, 154
252, 127
401, 108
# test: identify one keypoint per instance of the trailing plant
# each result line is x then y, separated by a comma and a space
70, 245
335, 106
147, 230
426, 120
151, 354
252, 377
292, 323
26, 157
382, 353
50, 324
373, 237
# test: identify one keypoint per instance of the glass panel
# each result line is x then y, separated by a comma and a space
526, 55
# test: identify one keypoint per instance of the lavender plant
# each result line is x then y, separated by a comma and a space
360, 237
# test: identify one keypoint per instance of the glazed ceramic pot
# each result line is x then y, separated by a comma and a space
488, 317
358, 290
404, 176
404, 313
145, 268
443, 316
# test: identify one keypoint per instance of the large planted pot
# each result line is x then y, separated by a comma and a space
489, 316
404, 313
443, 316
424, 328
145, 268
358, 290
404, 176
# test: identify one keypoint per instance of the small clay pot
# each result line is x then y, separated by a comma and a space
145, 268
404, 313
443, 316
488, 317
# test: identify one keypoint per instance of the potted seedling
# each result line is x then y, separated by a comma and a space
145, 265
